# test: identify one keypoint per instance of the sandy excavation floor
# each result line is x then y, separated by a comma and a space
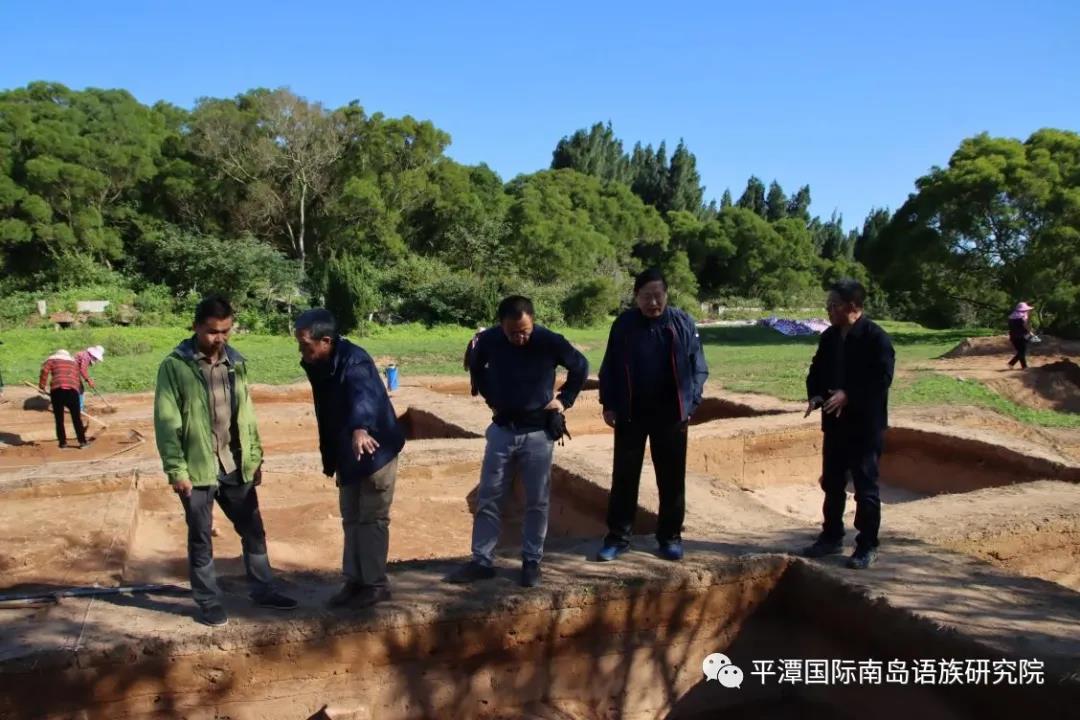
960, 480
74, 533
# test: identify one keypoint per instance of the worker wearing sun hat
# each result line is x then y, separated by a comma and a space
83, 360
1020, 333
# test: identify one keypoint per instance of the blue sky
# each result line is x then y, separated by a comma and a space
855, 98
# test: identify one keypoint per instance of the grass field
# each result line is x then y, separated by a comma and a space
743, 359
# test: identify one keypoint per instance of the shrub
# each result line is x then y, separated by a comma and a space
590, 302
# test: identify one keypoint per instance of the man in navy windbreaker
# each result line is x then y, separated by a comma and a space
651, 381
359, 438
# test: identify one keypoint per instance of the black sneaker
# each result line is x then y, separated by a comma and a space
345, 595
862, 558
470, 572
213, 615
530, 573
276, 601
368, 596
821, 548
85, 444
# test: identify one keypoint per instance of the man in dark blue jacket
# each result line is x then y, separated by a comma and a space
651, 381
513, 367
849, 380
359, 438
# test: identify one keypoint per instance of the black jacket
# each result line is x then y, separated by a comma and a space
862, 366
350, 395
518, 382
687, 362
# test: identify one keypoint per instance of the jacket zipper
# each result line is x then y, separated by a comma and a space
675, 373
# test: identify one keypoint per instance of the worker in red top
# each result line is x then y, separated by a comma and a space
83, 360
64, 390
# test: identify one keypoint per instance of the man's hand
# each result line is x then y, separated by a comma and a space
609, 418
836, 402
182, 488
363, 443
814, 404
556, 405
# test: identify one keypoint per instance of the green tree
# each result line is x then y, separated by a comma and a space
683, 190
876, 221
590, 302
596, 152
753, 197
352, 291
650, 173
776, 203
242, 268
829, 237
799, 204
998, 224
567, 226
281, 150
73, 164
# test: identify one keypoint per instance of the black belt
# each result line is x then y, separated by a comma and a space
522, 420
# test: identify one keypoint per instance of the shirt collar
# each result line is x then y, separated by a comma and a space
224, 357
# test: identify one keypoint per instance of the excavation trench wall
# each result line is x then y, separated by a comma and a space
615, 649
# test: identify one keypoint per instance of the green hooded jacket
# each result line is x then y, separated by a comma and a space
182, 419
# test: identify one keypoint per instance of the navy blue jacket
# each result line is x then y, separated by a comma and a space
862, 366
349, 395
517, 381
687, 362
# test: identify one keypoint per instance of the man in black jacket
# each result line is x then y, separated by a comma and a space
849, 380
651, 382
513, 367
359, 439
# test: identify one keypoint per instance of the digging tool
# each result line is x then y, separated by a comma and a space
109, 406
89, 592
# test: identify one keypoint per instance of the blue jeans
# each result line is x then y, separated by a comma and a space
530, 453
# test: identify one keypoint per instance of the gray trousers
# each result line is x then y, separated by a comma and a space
365, 518
240, 503
530, 453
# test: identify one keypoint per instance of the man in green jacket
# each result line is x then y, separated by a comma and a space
204, 423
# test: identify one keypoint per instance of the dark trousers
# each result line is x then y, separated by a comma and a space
1020, 344
67, 400
667, 443
240, 503
847, 454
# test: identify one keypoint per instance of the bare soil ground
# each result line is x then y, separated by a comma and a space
960, 487
1051, 382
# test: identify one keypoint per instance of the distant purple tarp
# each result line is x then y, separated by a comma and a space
794, 327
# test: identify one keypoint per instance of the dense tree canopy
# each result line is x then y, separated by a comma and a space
1000, 223
280, 200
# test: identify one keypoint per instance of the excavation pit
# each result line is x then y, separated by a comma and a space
627, 642
110, 531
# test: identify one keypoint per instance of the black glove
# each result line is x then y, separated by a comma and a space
556, 426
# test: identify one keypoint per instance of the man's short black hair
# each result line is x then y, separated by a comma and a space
319, 322
213, 306
513, 307
850, 291
647, 276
